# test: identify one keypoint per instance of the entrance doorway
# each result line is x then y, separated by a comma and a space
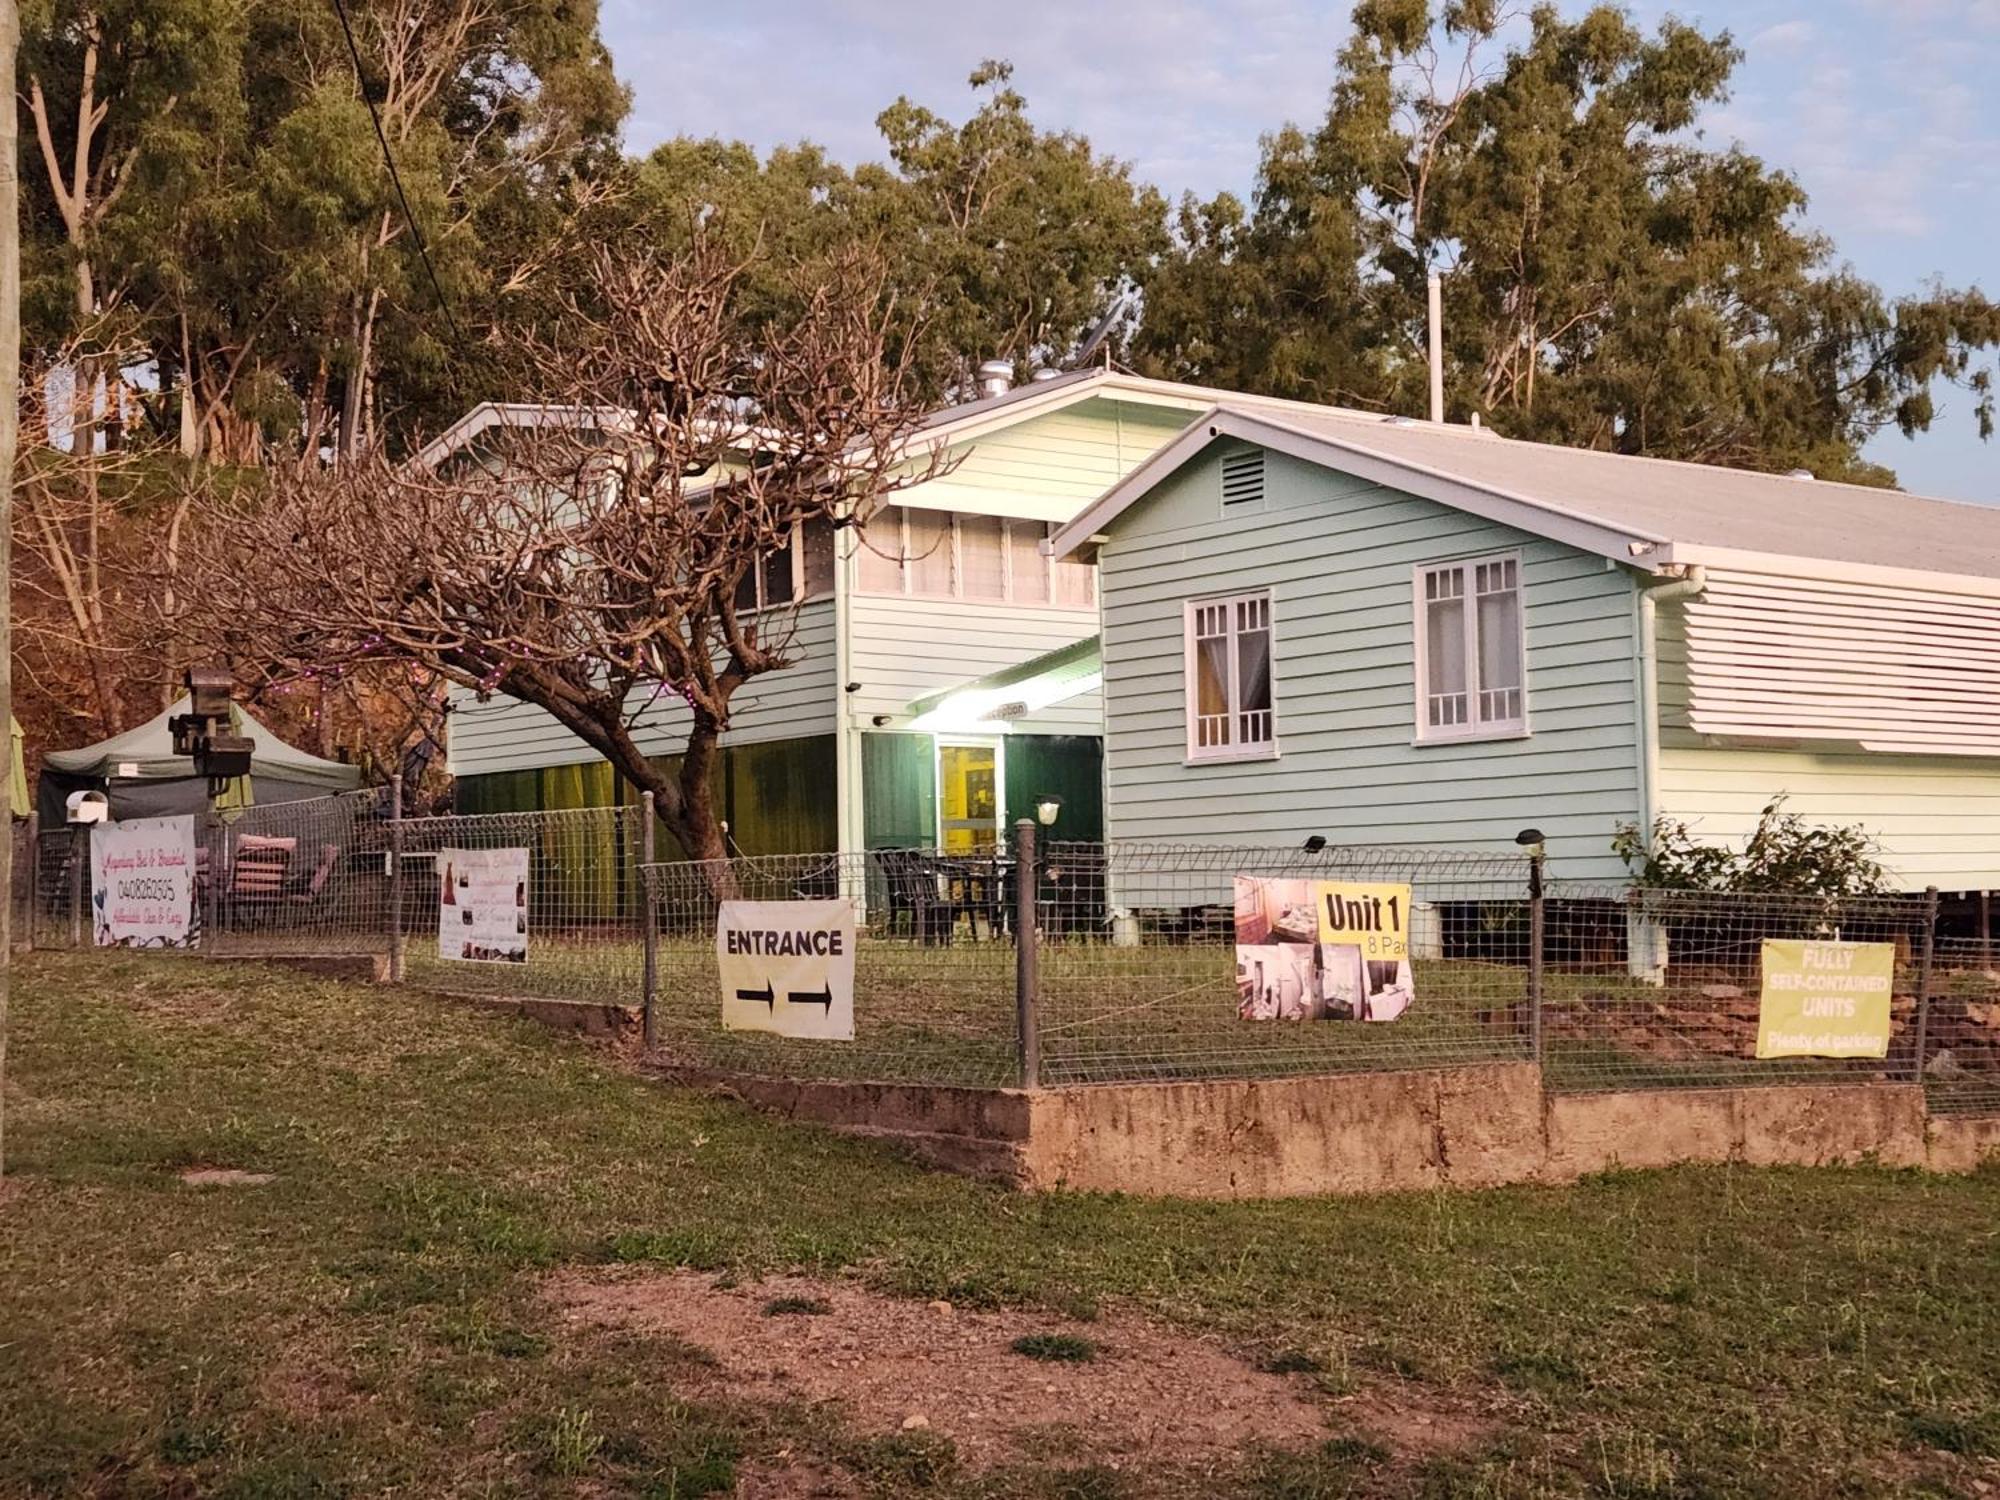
968, 781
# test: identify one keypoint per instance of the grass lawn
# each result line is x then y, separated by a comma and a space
374, 1319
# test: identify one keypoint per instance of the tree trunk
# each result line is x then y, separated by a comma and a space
10, 416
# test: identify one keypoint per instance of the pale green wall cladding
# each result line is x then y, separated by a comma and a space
504, 735
1337, 554
1051, 466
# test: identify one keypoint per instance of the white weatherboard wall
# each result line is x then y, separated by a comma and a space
1338, 556
505, 735
903, 649
1937, 817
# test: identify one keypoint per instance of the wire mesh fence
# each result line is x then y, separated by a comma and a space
1172, 961
309, 877
1147, 961
1962, 1029
1649, 989
579, 913
934, 966
59, 867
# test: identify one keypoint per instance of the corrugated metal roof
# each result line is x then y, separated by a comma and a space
1691, 506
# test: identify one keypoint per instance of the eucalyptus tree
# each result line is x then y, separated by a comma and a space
1611, 278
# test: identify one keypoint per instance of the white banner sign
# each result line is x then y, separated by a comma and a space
788, 967
142, 882
483, 905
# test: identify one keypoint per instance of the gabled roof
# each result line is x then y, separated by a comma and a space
1646, 512
490, 414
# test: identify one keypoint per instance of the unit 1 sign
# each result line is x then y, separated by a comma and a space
787, 967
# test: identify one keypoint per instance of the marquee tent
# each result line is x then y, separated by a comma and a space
143, 777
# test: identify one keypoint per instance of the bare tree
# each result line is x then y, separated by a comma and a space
595, 566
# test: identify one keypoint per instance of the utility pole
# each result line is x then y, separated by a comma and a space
10, 432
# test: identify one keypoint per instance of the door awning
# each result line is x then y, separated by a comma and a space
995, 700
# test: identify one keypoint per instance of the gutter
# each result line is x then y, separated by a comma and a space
1651, 596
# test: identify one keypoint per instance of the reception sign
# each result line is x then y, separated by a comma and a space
1825, 999
142, 882
1321, 950
483, 905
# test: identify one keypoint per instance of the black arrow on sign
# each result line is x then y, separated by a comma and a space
766, 996
821, 998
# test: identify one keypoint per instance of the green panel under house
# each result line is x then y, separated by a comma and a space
781, 796
578, 864
898, 791
497, 792
1069, 766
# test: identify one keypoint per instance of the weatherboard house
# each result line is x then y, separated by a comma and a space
1408, 633
944, 673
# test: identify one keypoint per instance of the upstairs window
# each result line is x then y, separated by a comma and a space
1471, 651
1228, 643
801, 569
932, 554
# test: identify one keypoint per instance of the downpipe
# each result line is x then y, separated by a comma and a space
1669, 590
1646, 941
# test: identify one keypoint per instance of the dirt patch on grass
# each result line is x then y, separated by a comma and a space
900, 1367
1418, 1421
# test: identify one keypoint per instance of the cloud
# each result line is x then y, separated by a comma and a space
1788, 35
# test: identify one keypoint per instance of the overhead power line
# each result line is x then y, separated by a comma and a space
395, 177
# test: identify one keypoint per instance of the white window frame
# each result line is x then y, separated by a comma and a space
798, 552
1474, 728
1039, 532
1197, 753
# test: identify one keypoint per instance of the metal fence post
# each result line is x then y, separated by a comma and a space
649, 984
1027, 881
1924, 963
34, 877
1537, 941
398, 960
79, 880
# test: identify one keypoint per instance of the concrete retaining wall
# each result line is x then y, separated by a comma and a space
1346, 1133
1375, 1132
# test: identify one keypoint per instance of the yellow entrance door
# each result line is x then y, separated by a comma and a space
968, 798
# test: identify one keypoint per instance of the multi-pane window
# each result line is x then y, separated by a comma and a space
801, 569
1229, 677
940, 555
1469, 649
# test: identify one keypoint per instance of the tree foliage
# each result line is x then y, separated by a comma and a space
1610, 280
596, 565
1784, 853
1005, 240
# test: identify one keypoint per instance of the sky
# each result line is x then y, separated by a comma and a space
1882, 108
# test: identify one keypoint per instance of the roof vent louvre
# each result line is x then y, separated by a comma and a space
1243, 477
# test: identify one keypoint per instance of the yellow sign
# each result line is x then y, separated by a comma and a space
1825, 999
1373, 918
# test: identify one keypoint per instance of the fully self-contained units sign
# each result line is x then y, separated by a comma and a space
1824, 999
787, 967
142, 882
483, 905
1320, 950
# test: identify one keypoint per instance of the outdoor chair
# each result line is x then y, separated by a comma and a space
322, 876
914, 894
259, 872
1072, 894
976, 886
